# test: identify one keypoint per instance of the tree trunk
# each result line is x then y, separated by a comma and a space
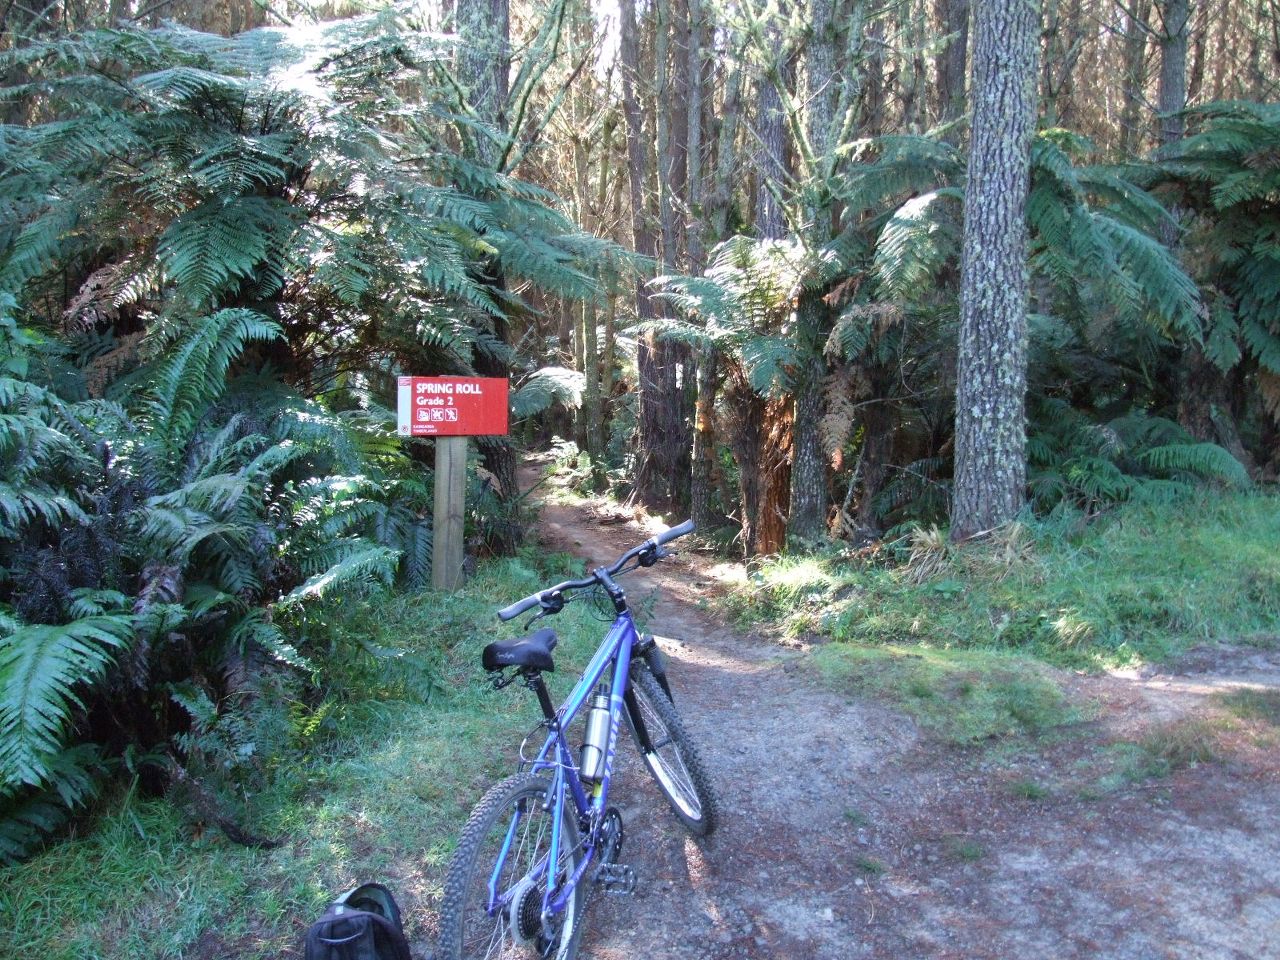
775, 468
1173, 69
952, 58
592, 419
1133, 78
1195, 85
874, 80
704, 432
649, 483
807, 517
720, 199
746, 440
770, 156
806, 520
483, 66
990, 467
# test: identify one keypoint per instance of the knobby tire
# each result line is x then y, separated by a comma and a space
466, 930
675, 764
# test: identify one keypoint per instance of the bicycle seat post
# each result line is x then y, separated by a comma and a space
533, 680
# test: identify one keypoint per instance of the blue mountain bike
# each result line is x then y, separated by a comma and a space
516, 887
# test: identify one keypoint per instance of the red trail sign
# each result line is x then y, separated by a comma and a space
451, 406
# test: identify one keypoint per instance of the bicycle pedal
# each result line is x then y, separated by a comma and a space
616, 878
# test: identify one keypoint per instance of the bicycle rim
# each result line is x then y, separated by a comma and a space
514, 931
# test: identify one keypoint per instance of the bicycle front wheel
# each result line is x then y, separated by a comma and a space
493, 892
669, 753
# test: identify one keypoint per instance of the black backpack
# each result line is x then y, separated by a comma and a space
362, 924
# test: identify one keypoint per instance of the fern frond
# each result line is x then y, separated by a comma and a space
363, 564
256, 627
1203, 460
209, 249
913, 245
192, 374
41, 669
545, 387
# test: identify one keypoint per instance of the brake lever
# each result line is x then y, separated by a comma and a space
547, 607
654, 555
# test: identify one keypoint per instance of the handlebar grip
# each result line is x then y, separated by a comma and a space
519, 607
668, 535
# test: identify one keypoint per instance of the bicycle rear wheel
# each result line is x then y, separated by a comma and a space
669, 753
513, 815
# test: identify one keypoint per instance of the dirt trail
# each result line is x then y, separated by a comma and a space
847, 833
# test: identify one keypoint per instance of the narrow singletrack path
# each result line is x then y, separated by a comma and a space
846, 832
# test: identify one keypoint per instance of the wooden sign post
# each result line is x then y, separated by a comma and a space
450, 409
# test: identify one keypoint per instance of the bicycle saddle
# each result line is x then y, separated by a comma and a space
533, 651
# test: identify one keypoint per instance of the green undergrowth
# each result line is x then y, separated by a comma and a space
1250, 703
970, 641
384, 771
1140, 584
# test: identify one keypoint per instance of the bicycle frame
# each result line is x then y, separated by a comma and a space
557, 756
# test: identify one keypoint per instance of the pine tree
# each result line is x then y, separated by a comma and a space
990, 472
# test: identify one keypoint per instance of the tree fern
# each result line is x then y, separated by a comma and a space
193, 373
1223, 173
545, 387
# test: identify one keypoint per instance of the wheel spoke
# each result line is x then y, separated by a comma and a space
469, 931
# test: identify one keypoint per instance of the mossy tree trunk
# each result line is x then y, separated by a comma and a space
990, 465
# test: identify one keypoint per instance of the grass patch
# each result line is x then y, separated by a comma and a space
1029, 790
856, 817
870, 866
1253, 704
1142, 583
964, 849
965, 696
378, 787
1185, 743
1159, 753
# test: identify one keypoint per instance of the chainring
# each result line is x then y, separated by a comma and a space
611, 836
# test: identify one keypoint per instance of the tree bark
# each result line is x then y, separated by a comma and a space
650, 482
704, 430
720, 199
1173, 69
806, 520
483, 67
770, 154
990, 467
1200, 32
952, 59
593, 421
1133, 77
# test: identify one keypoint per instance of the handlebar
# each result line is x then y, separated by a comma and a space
552, 599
